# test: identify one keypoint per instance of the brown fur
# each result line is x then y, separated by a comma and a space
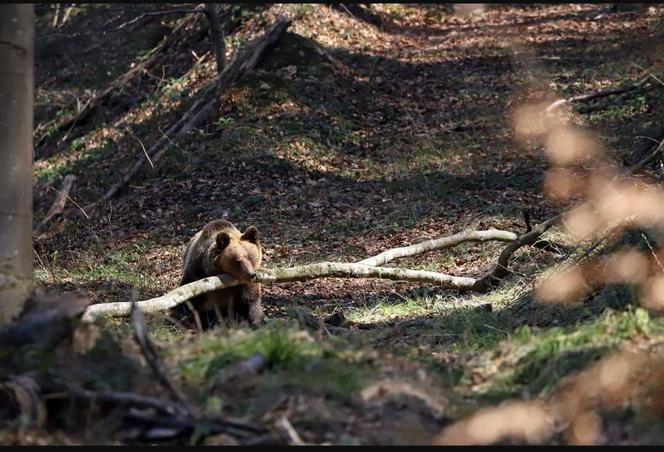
220, 248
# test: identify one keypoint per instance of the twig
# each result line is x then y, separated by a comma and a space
56, 16
287, 429
66, 16
75, 120
652, 251
526, 219
238, 427
59, 202
644, 161
501, 270
91, 208
147, 156
129, 398
590, 249
151, 356
152, 14
597, 94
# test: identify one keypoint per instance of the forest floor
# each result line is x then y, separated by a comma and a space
350, 139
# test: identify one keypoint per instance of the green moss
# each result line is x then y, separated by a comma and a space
536, 361
295, 361
390, 310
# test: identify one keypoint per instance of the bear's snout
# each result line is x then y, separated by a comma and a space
247, 271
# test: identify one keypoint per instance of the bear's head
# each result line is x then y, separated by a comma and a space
238, 255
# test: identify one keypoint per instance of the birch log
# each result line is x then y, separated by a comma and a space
441, 243
278, 275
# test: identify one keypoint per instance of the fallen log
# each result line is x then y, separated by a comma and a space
367, 268
344, 270
278, 275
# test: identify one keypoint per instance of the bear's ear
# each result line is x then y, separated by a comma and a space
250, 235
223, 239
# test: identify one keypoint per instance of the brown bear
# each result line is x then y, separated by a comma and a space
220, 248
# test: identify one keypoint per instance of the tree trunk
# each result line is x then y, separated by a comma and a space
218, 43
16, 104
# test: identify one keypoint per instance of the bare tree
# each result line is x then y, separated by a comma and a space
16, 100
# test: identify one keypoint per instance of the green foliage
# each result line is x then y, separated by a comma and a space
386, 310
303, 9
294, 360
537, 360
175, 87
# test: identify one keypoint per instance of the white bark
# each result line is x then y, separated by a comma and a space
162, 303
300, 273
367, 268
438, 244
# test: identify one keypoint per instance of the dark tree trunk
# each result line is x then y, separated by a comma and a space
218, 43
